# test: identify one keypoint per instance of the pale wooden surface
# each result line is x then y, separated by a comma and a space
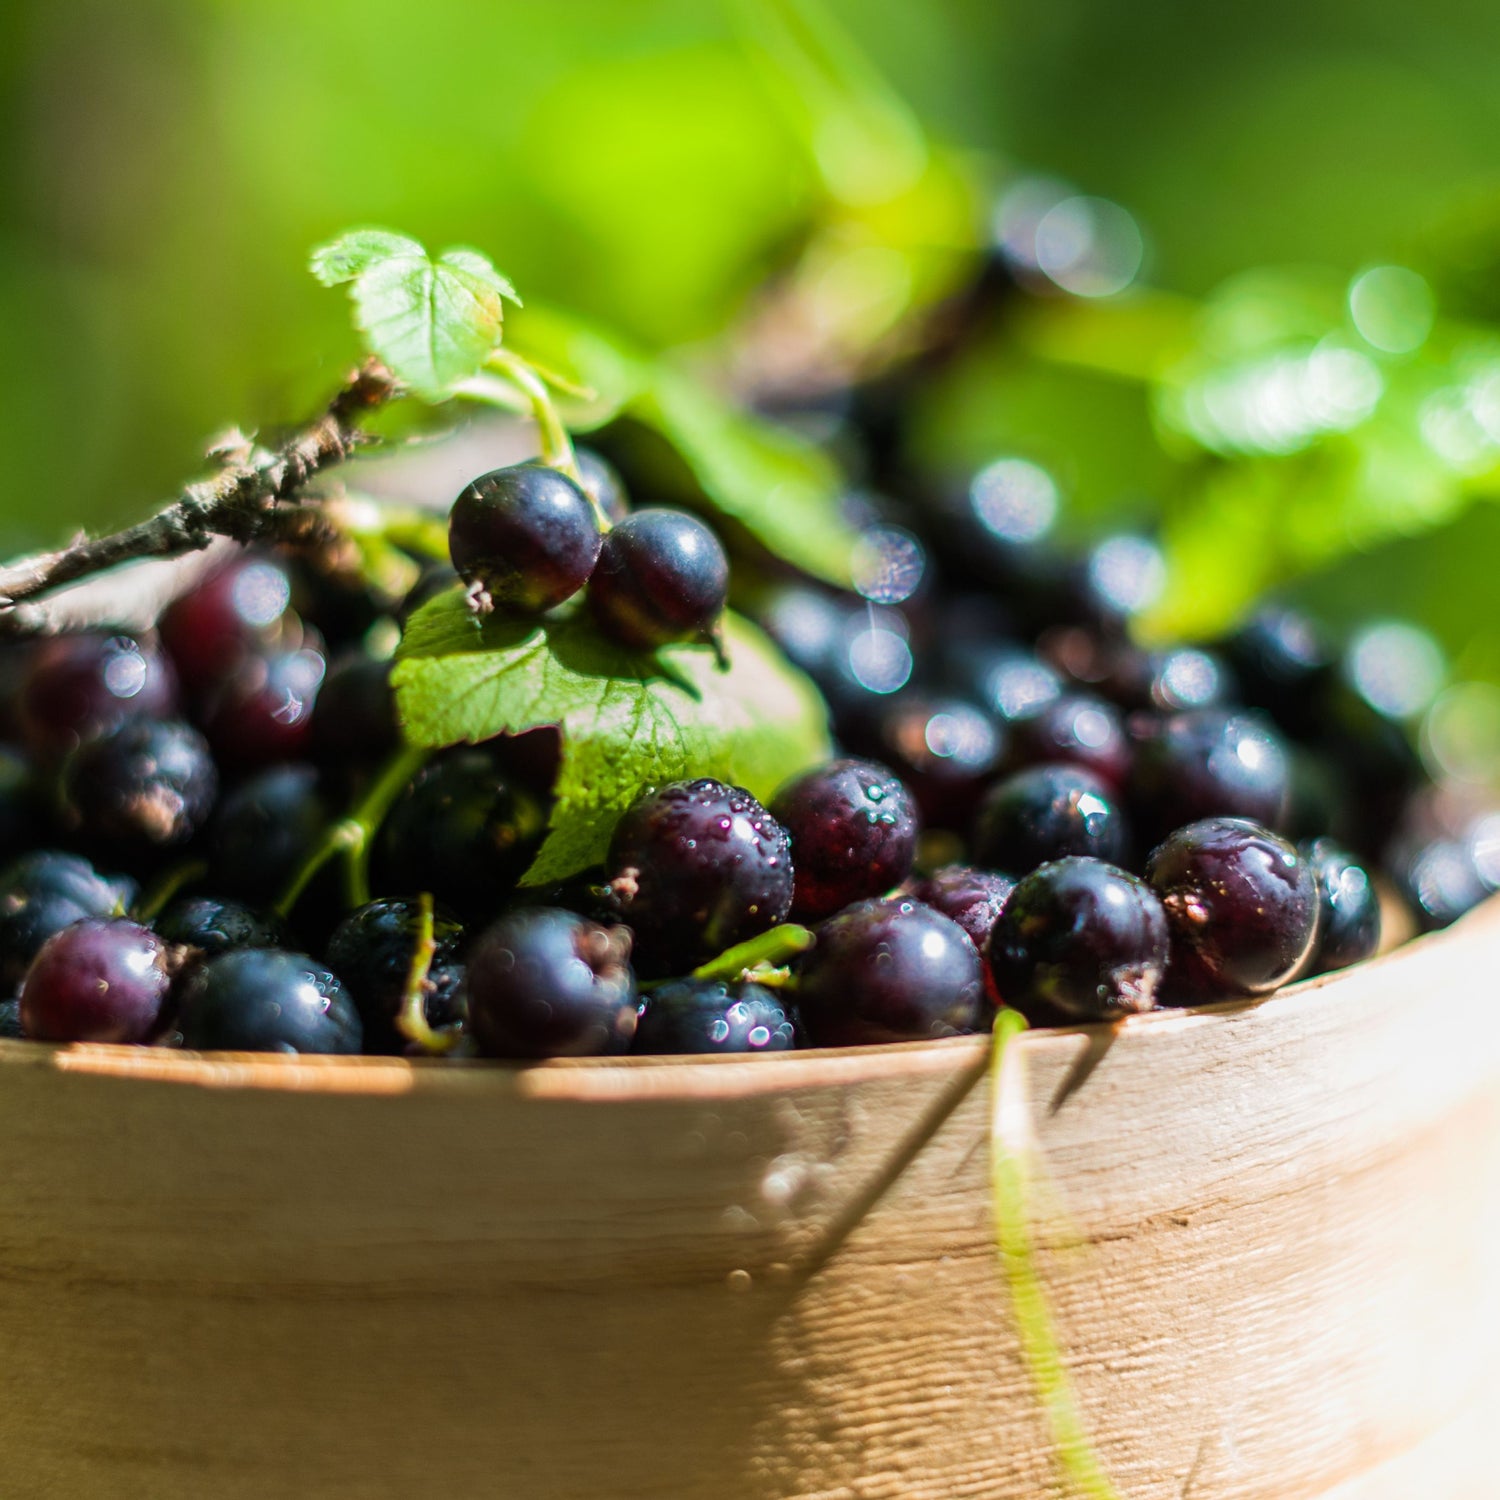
1269, 1235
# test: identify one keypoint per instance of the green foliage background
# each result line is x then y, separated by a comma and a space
166, 165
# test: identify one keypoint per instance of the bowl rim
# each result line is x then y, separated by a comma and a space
686, 1076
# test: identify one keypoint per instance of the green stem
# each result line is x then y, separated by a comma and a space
353, 836
557, 446
411, 1020
1010, 1182
156, 896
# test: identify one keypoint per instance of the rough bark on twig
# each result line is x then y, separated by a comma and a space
246, 501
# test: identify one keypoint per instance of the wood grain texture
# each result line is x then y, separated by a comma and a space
1268, 1233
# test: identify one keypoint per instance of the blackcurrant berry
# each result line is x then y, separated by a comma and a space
78, 686
889, 970
264, 1000
662, 577
523, 538
43, 892
1080, 940
1184, 677
213, 925
462, 830
1048, 812
1079, 728
240, 611
944, 749
548, 983
354, 719
97, 981
147, 784
853, 828
972, 898
1208, 763
1006, 680
1438, 879
372, 951
1348, 907
1282, 665
264, 830
601, 481
710, 1015
1243, 909
263, 714
10, 1020
697, 867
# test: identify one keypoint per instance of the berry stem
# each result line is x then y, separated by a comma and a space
411, 1020
353, 836
771, 949
156, 896
246, 501
1010, 1186
557, 446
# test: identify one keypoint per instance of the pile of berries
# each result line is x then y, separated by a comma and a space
1028, 809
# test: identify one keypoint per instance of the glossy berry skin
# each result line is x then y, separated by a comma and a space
601, 481
1048, 812
78, 686
712, 1016
241, 610
264, 1000
853, 827
1348, 907
372, 949
212, 926
1208, 763
1439, 881
889, 970
464, 831
944, 749
1243, 908
523, 538
1080, 940
662, 576
97, 981
547, 983
263, 715
973, 898
1282, 665
147, 784
263, 830
354, 717
697, 867
43, 892
1078, 728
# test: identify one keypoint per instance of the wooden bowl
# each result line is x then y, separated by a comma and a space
1268, 1233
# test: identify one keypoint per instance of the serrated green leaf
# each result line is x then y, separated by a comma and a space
629, 719
350, 254
433, 322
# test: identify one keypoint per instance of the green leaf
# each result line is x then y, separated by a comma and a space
629, 719
432, 321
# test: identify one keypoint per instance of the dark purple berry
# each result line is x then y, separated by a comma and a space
1048, 812
1348, 907
853, 828
213, 926
1282, 665
523, 539
662, 576
944, 749
263, 715
710, 1015
78, 686
372, 951
43, 892
1077, 728
889, 970
601, 482
97, 981
1080, 940
463, 830
1439, 880
263, 1000
1207, 763
242, 610
264, 830
1243, 908
1007, 681
548, 983
1185, 677
354, 717
695, 868
147, 784
972, 898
